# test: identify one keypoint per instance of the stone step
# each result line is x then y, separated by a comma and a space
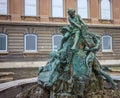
116, 70
6, 76
6, 79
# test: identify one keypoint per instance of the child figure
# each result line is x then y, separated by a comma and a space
76, 23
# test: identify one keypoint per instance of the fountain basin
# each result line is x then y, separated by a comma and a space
13, 88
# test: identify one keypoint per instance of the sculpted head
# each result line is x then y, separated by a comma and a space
71, 12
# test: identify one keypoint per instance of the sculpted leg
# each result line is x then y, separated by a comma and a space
103, 73
108, 78
77, 34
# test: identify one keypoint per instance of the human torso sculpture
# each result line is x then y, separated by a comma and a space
74, 70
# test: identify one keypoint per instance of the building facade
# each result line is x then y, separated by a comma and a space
29, 29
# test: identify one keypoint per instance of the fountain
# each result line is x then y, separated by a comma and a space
74, 70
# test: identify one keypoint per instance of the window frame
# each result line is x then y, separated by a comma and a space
6, 8
25, 50
36, 9
6, 36
62, 11
110, 1
53, 41
88, 11
107, 50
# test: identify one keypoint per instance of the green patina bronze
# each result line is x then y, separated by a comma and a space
74, 70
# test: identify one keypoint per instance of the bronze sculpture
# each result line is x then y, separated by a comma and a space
76, 25
74, 70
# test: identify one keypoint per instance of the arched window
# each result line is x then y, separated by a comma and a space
106, 43
57, 8
56, 42
30, 43
3, 7
82, 8
3, 43
30, 7
105, 9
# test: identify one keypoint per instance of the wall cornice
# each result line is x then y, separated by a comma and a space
56, 24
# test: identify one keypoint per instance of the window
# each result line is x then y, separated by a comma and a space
105, 9
82, 8
30, 7
3, 43
57, 8
106, 43
3, 7
56, 42
30, 43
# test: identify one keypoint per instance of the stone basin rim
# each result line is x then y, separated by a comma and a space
7, 85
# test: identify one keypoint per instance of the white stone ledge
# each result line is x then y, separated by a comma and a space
42, 63
7, 85
109, 62
116, 77
22, 64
